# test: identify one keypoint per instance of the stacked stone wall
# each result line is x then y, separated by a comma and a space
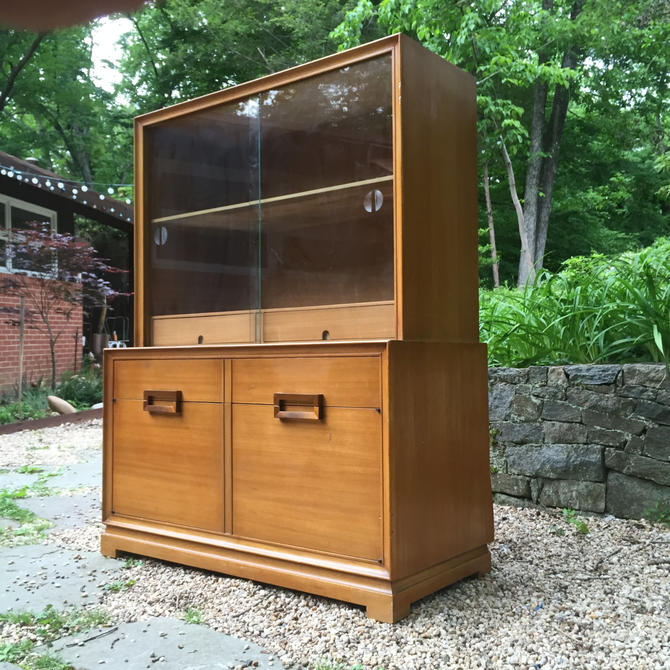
594, 438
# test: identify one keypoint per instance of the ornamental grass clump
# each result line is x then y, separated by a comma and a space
597, 309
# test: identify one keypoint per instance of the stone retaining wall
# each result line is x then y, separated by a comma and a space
590, 437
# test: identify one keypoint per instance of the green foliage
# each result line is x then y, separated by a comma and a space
33, 405
81, 390
571, 517
47, 625
612, 173
48, 662
29, 469
193, 615
179, 49
31, 528
595, 310
119, 585
132, 563
10, 510
51, 623
15, 411
612, 189
659, 513
556, 530
15, 652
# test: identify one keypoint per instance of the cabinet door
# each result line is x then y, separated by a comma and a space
309, 484
169, 467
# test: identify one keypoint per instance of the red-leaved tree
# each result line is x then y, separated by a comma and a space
54, 272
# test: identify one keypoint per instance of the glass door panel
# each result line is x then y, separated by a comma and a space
203, 200
327, 189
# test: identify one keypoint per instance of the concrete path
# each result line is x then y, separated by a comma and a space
34, 576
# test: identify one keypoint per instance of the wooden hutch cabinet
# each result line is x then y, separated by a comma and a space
307, 401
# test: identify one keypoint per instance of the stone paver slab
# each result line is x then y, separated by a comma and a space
79, 474
37, 575
17, 480
165, 643
65, 511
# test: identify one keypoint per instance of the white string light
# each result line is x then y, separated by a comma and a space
40, 180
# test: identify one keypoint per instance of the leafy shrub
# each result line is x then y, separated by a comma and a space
81, 390
595, 310
33, 406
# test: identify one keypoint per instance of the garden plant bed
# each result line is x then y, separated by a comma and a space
51, 421
555, 598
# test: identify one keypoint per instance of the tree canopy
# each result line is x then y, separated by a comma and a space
572, 95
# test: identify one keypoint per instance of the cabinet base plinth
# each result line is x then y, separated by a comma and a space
370, 586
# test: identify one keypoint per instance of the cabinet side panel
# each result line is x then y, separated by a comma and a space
441, 502
439, 198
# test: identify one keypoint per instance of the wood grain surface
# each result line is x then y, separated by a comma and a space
315, 485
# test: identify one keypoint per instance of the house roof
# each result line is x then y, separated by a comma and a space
80, 197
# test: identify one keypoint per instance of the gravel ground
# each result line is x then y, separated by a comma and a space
61, 445
554, 599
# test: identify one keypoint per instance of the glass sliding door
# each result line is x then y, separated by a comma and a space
266, 211
203, 192
327, 188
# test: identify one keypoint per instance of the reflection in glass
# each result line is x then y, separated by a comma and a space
203, 202
21, 219
328, 138
373, 201
279, 200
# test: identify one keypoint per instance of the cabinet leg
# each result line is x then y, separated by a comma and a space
107, 547
388, 609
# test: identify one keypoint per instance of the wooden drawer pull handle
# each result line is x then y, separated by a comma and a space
313, 402
162, 402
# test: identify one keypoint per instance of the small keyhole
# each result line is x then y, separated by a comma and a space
325, 335
200, 339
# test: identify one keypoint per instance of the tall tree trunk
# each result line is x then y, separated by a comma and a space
559, 111
81, 156
526, 255
534, 168
545, 141
492, 231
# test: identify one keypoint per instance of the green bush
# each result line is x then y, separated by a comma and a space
81, 390
33, 406
597, 309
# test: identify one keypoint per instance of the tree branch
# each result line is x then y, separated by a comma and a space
6, 92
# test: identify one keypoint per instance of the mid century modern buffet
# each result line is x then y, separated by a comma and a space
307, 401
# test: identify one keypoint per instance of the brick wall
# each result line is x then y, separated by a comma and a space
36, 356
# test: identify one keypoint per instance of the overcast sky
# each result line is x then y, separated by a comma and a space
105, 47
